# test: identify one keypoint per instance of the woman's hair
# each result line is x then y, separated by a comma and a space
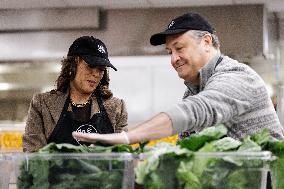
199, 34
68, 73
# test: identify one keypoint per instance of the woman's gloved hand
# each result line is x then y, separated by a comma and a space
114, 138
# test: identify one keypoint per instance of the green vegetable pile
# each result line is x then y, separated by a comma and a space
206, 160
42, 171
189, 165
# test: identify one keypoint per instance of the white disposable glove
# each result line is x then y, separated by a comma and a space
114, 138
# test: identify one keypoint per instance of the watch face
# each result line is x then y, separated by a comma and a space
86, 128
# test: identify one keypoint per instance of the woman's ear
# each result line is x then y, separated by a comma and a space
77, 59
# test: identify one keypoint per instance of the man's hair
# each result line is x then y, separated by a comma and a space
198, 34
68, 73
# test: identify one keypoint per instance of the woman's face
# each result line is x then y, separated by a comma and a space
87, 79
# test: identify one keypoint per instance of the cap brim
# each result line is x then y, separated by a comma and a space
97, 61
160, 38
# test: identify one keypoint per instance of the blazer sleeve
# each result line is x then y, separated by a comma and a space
34, 138
121, 117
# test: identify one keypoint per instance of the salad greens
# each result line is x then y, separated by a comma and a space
193, 163
197, 140
59, 172
188, 165
66, 148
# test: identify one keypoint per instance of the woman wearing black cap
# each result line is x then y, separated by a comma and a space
82, 101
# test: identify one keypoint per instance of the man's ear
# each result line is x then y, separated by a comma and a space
207, 39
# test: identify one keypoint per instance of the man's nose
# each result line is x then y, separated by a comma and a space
174, 58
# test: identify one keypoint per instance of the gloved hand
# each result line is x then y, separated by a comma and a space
159, 126
114, 138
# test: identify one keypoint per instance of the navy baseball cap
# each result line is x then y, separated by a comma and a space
92, 50
188, 21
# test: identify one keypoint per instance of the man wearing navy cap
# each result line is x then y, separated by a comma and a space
219, 89
81, 102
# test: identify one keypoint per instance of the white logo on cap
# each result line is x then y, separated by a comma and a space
171, 24
101, 49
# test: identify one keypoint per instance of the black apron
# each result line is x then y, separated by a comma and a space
62, 133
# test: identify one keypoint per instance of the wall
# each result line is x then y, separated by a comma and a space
127, 32
147, 84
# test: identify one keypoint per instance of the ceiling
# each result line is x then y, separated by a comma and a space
272, 5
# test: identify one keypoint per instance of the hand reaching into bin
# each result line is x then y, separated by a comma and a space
158, 127
116, 138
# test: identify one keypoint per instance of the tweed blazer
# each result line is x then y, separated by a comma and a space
45, 110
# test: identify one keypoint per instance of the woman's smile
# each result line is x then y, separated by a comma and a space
92, 83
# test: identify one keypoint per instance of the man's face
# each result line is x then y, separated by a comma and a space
188, 55
87, 79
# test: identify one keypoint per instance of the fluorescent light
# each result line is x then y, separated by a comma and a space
5, 86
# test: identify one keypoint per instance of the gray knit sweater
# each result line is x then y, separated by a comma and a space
232, 94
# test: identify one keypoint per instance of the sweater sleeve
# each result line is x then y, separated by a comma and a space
226, 95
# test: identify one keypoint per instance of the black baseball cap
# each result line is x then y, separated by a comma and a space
188, 21
92, 50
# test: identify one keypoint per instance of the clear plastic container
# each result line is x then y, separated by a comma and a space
214, 170
72, 170
5, 171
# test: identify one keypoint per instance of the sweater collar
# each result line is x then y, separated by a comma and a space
204, 73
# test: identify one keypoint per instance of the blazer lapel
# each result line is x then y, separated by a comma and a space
55, 104
94, 106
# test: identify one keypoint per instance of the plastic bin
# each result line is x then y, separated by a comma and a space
5, 171
214, 170
71, 170
276, 171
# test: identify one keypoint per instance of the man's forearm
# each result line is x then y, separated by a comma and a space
157, 127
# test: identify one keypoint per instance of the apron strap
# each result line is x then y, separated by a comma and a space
100, 103
58, 125
106, 127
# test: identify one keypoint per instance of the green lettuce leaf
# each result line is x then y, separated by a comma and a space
197, 140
